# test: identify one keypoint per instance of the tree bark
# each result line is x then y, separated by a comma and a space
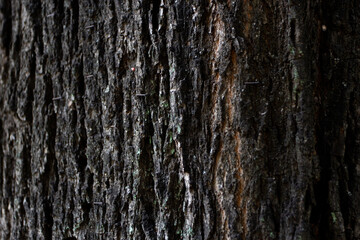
174, 119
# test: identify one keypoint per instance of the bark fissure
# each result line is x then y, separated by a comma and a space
7, 25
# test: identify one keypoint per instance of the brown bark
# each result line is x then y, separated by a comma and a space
174, 119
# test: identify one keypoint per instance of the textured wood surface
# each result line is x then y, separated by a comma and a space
175, 119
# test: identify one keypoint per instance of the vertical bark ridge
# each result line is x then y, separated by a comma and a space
53, 16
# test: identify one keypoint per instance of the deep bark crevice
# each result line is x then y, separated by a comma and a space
155, 14
7, 26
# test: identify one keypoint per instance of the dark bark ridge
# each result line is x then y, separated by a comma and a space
179, 119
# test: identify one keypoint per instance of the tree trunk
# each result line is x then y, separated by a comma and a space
175, 119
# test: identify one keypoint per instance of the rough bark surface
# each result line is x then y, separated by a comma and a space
175, 119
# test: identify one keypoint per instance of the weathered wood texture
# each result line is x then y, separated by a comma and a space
174, 119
